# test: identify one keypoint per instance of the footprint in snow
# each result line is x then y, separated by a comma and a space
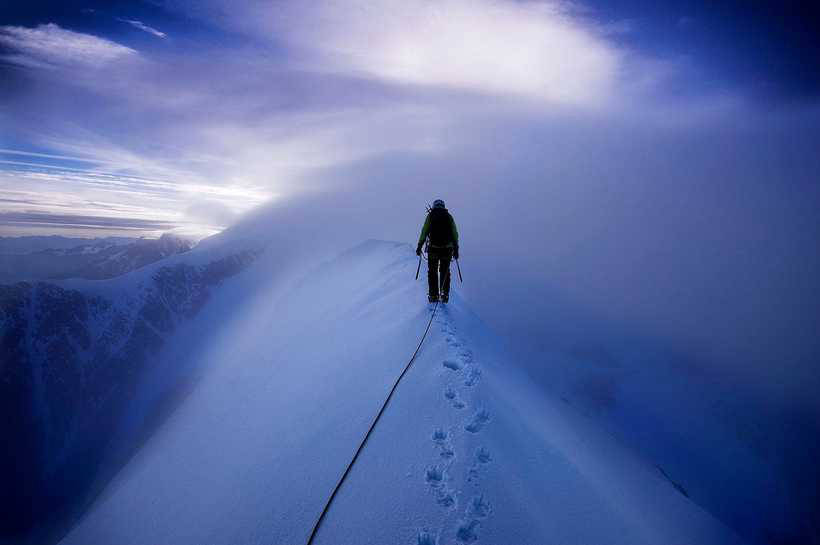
451, 364
450, 394
466, 531
478, 421
478, 508
439, 436
440, 439
466, 356
482, 457
434, 476
472, 376
426, 538
446, 498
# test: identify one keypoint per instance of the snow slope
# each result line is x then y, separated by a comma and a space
466, 452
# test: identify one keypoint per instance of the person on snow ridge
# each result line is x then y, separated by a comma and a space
441, 229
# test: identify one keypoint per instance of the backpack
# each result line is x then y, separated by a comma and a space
441, 230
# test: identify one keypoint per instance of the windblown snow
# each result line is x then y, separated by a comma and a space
467, 451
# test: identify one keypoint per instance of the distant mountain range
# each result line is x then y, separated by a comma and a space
72, 353
31, 244
94, 259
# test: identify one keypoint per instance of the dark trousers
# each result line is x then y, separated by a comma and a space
438, 270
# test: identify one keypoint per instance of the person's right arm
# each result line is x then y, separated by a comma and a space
424, 232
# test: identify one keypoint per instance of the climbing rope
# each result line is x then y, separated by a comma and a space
372, 426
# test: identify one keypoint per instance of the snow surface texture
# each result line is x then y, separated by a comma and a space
467, 452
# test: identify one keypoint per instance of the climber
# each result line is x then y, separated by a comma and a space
442, 246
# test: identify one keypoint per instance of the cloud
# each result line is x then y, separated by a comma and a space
210, 211
537, 50
76, 221
142, 26
316, 88
38, 194
50, 46
4, 151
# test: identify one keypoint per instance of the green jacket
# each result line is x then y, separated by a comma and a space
425, 231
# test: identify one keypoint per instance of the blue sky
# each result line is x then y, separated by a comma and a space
142, 117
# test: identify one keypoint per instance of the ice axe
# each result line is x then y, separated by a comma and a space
459, 272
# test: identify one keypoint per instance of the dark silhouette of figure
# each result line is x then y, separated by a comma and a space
442, 246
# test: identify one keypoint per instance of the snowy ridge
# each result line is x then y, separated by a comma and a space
467, 452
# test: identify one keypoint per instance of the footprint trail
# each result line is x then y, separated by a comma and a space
460, 370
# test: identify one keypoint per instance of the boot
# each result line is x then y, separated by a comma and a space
445, 298
432, 298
